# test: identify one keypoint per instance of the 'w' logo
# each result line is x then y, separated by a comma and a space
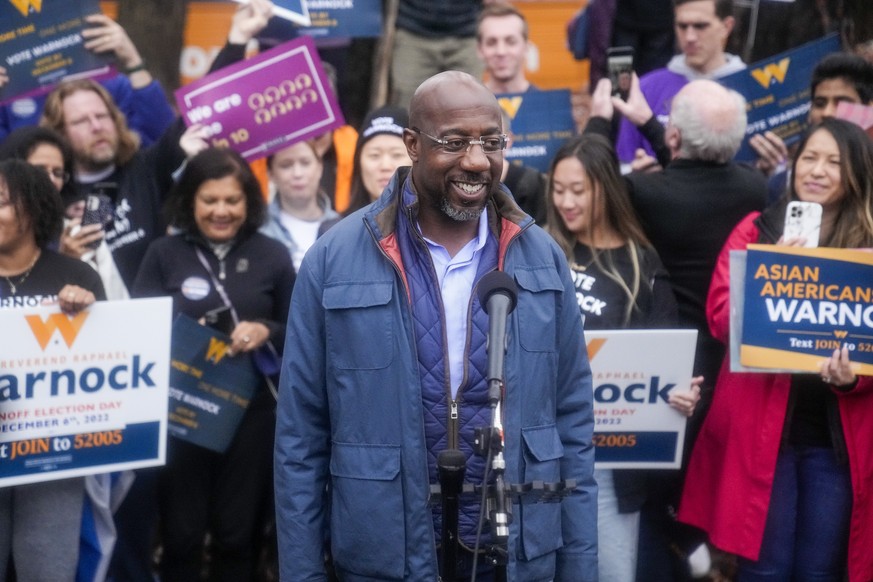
24, 6
777, 71
594, 347
68, 326
840, 334
510, 105
216, 351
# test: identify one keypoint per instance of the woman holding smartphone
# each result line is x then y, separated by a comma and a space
782, 471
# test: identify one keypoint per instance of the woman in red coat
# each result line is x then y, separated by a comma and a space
782, 471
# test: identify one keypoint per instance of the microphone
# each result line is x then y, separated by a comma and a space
498, 296
451, 466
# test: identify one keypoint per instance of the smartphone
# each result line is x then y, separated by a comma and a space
803, 219
98, 210
620, 67
220, 319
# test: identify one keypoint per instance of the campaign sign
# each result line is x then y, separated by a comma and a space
344, 19
801, 304
541, 122
633, 372
737, 300
266, 103
293, 10
41, 44
83, 394
777, 92
209, 389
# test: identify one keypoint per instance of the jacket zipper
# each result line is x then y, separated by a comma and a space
454, 427
452, 422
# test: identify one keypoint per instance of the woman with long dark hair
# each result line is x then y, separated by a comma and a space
620, 284
782, 471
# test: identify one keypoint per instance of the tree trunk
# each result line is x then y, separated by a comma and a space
380, 89
156, 28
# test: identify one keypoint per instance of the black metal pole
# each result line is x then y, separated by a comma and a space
451, 466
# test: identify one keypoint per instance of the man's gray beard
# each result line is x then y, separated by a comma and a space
95, 165
460, 214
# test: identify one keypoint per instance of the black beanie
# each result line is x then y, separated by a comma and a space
388, 120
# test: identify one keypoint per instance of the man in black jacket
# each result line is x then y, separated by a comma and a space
110, 162
687, 210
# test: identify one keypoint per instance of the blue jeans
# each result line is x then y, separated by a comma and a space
617, 533
807, 532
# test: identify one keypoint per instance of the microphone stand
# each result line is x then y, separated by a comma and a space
489, 443
451, 466
499, 504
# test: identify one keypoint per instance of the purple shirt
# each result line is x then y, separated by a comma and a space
659, 87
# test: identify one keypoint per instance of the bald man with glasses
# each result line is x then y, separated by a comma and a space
386, 368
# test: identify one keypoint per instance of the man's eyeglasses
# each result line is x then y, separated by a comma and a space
491, 144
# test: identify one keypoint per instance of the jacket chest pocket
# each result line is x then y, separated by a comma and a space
359, 325
538, 291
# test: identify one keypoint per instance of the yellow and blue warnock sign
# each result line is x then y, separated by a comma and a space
83, 394
210, 389
26, 7
541, 122
777, 92
800, 305
41, 44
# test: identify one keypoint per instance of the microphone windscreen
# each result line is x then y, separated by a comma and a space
497, 282
451, 459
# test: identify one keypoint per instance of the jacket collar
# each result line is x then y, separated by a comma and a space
381, 215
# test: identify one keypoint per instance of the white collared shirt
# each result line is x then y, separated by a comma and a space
456, 276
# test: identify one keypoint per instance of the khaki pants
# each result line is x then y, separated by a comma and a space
417, 58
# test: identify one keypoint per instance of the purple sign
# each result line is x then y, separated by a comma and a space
266, 103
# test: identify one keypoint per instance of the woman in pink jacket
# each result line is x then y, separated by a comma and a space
782, 471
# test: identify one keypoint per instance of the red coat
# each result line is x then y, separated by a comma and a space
730, 474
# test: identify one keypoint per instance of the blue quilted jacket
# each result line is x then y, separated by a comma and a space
363, 406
